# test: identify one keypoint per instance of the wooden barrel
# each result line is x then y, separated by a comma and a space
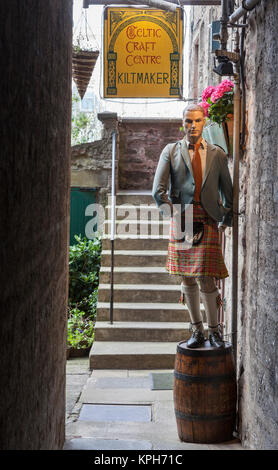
205, 393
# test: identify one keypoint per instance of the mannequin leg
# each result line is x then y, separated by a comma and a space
191, 296
210, 297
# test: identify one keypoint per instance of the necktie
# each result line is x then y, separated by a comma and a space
197, 172
192, 146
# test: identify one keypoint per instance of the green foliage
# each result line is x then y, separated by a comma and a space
80, 330
84, 264
80, 124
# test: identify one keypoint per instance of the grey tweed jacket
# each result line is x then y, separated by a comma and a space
174, 182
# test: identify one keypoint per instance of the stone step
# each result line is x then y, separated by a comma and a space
134, 197
152, 312
141, 331
137, 275
136, 258
143, 335
133, 211
134, 242
132, 355
137, 292
138, 227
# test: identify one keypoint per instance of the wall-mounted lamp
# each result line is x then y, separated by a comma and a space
225, 59
225, 67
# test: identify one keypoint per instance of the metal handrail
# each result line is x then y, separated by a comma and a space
112, 224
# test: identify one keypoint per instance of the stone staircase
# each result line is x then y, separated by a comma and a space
148, 321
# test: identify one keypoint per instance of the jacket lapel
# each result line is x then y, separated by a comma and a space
187, 160
186, 156
209, 160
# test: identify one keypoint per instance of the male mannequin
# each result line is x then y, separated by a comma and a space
197, 176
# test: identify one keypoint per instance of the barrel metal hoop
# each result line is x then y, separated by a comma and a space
204, 378
190, 417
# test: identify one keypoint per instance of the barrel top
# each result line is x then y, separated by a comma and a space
206, 350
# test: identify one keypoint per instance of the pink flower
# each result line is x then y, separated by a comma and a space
226, 85
207, 93
216, 95
222, 88
205, 105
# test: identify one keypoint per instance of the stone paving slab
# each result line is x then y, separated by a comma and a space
78, 365
130, 396
77, 371
135, 372
111, 373
112, 413
106, 444
161, 436
162, 381
121, 382
108, 388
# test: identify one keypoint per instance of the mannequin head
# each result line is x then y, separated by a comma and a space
193, 123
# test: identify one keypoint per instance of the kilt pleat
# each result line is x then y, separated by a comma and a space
204, 259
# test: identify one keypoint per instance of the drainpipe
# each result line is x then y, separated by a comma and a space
236, 149
161, 4
224, 20
247, 5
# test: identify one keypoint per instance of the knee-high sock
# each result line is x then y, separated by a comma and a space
191, 296
210, 301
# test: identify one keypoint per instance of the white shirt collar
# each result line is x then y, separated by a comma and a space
203, 142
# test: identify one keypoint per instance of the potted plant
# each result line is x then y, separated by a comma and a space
219, 107
80, 333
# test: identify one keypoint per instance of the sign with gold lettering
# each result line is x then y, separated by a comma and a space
142, 53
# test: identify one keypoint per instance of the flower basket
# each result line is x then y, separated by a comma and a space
217, 103
83, 64
85, 53
80, 352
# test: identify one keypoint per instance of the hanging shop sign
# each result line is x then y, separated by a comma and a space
142, 53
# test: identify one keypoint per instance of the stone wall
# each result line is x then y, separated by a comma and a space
140, 144
258, 321
91, 163
200, 58
257, 244
34, 180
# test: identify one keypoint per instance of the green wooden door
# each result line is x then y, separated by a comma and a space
80, 198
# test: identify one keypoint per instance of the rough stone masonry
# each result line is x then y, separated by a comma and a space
258, 240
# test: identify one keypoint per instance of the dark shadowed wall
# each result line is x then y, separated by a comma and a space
35, 111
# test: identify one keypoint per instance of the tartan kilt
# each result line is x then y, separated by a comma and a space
204, 259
